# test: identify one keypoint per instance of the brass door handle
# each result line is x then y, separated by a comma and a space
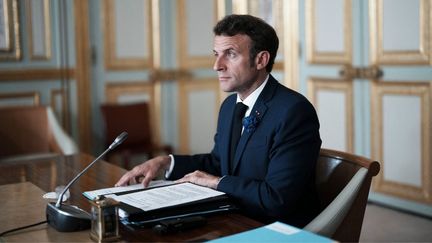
370, 72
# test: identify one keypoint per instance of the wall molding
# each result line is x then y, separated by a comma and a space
36, 74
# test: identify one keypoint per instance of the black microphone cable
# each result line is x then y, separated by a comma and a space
21, 228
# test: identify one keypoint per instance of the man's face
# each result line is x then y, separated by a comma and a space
232, 63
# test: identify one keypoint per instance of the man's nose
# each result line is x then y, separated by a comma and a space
218, 64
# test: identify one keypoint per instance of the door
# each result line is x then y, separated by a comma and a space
366, 66
159, 51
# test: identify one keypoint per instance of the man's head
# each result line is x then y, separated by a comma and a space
263, 36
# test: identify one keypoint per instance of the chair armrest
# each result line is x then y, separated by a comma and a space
62, 139
327, 222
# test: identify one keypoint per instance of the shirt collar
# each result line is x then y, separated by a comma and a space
252, 98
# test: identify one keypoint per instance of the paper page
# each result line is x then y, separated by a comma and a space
92, 194
167, 196
282, 228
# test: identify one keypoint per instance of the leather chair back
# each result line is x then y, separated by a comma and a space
26, 130
342, 181
135, 119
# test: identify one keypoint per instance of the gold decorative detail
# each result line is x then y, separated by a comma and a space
185, 59
380, 184
156, 35
82, 74
291, 45
112, 61
46, 29
421, 56
316, 57
371, 72
36, 74
34, 98
170, 74
187, 87
315, 85
10, 48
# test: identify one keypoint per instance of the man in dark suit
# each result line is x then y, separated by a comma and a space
270, 170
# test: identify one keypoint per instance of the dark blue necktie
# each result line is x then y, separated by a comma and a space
239, 112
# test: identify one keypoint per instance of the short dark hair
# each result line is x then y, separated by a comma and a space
263, 36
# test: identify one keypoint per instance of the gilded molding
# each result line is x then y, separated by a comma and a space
171, 74
113, 62
316, 84
316, 57
185, 60
36, 74
82, 74
34, 96
380, 184
291, 44
12, 50
47, 30
185, 88
378, 55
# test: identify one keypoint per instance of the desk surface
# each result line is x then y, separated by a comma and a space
23, 182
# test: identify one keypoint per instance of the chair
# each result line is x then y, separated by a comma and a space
135, 120
31, 130
343, 181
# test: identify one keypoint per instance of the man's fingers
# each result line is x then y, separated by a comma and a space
146, 181
123, 181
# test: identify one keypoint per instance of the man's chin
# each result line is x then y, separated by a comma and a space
224, 87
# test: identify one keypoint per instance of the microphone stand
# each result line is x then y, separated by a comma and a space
68, 218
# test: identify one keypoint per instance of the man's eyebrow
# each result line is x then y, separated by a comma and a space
225, 50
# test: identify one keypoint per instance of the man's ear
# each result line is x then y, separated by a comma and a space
262, 59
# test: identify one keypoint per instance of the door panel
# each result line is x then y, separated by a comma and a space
128, 45
333, 100
400, 32
390, 81
402, 110
400, 100
324, 17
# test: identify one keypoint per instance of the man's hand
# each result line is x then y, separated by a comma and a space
201, 178
147, 170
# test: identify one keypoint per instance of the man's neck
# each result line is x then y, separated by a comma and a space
261, 78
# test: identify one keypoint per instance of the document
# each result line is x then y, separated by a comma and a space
111, 190
164, 200
166, 196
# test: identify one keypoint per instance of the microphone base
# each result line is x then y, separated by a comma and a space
67, 218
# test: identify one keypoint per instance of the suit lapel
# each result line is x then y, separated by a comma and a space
259, 110
225, 138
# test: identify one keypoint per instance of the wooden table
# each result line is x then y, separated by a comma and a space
23, 182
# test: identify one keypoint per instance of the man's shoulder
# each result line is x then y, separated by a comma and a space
284, 92
231, 99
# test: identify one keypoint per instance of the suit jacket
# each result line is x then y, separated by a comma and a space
274, 165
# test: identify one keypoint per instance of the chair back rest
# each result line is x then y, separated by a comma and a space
28, 130
342, 182
132, 118
23, 130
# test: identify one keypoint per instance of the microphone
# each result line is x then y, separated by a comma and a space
68, 218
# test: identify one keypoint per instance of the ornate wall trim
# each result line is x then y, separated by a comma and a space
36, 74
422, 193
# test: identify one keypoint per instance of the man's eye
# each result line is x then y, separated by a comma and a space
231, 54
